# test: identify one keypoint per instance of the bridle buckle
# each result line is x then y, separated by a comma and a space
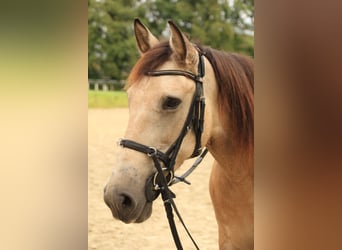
169, 181
119, 143
153, 153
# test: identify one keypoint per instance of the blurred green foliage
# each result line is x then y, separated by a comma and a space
221, 24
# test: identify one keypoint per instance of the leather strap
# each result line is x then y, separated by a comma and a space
145, 149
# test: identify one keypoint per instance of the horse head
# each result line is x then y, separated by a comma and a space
159, 105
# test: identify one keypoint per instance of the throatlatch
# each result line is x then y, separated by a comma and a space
164, 177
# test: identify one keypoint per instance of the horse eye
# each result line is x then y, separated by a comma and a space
171, 103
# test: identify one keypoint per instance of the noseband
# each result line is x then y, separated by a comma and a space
164, 177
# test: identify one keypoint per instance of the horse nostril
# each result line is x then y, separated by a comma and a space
122, 204
126, 201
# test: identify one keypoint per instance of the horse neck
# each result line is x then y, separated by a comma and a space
236, 162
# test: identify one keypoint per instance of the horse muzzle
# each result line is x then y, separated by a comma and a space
125, 206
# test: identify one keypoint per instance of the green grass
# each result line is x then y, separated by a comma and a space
107, 99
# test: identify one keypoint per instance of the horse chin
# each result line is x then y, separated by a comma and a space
145, 213
138, 216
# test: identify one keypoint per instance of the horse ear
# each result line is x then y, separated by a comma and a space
181, 45
145, 39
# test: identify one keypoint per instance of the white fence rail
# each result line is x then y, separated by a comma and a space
105, 85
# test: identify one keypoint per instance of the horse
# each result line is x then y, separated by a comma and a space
160, 91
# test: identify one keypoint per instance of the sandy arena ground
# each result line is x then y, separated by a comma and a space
106, 233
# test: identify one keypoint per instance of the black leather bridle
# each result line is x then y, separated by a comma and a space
160, 181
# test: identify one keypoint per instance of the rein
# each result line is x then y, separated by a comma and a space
160, 181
